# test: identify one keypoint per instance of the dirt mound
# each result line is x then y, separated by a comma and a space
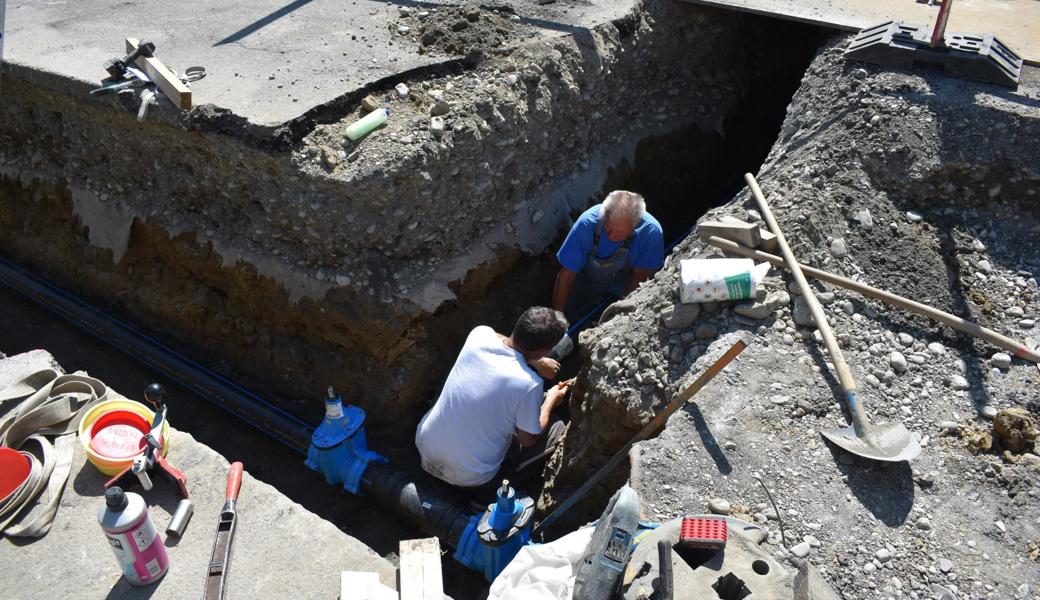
468, 30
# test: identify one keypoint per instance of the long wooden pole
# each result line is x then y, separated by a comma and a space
954, 322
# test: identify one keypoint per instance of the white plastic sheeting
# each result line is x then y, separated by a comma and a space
543, 571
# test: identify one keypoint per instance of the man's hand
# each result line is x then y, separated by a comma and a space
554, 397
545, 366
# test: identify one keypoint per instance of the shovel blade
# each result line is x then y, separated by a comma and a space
890, 443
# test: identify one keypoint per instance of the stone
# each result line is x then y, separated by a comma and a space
865, 220
838, 248
1026, 323
924, 524
801, 313
906, 339
801, 550
707, 331
1000, 360
329, 156
913, 217
958, 382
437, 126
402, 90
988, 412
763, 309
883, 555
440, 108
369, 104
945, 565
985, 267
936, 348
950, 427
898, 362
1015, 312
978, 246
718, 506
403, 29
680, 315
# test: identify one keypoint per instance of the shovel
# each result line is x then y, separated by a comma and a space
891, 442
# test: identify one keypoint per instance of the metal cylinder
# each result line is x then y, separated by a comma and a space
666, 586
180, 518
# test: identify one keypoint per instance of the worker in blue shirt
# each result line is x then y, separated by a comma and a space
610, 249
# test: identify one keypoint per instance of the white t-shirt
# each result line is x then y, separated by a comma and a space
490, 392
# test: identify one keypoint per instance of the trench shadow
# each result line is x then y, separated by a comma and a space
262, 22
123, 589
711, 444
884, 489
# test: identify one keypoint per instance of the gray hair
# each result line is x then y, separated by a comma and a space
625, 205
539, 328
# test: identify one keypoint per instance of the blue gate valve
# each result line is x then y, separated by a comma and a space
339, 449
492, 539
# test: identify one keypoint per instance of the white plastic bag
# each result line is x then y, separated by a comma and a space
715, 279
542, 571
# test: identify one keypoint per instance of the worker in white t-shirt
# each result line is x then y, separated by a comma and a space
492, 396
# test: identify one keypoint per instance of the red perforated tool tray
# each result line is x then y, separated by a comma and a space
703, 532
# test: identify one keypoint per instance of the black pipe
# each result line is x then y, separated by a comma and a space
233, 398
425, 504
665, 583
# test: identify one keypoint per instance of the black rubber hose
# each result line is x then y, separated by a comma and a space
242, 403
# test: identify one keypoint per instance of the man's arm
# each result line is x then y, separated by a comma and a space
562, 291
552, 399
638, 276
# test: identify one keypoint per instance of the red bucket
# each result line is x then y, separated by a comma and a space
119, 434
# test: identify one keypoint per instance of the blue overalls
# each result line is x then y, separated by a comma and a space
601, 279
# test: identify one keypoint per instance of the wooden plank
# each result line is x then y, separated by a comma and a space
421, 570
1014, 22
363, 585
164, 78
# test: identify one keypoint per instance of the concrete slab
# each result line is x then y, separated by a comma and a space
267, 60
1015, 22
280, 550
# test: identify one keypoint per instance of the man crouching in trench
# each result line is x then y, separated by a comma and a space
492, 396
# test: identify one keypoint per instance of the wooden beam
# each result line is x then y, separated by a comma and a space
164, 78
421, 570
363, 585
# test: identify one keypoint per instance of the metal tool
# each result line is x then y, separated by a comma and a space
216, 577
116, 67
152, 462
890, 442
656, 423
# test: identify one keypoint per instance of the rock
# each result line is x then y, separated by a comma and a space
440, 108
801, 313
1015, 429
1015, 312
329, 156
369, 104
913, 217
924, 524
800, 550
950, 427
402, 90
883, 555
718, 506
988, 412
978, 246
403, 29
763, 309
985, 267
936, 348
906, 339
865, 220
1026, 323
898, 362
679, 315
707, 331
945, 565
838, 248
958, 382
859, 73
437, 126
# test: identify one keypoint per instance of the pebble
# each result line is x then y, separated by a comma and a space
978, 246
839, 249
959, 383
936, 348
402, 90
801, 313
988, 412
924, 524
680, 316
913, 217
898, 362
950, 427
985, 267
1000, 360
440, 108
718, 506
800, 550
1016, 312
906, 339
865, 220
883, 555
437, 126
1026, 323
945, 565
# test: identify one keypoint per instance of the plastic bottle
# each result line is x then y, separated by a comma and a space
367, 123
131, 534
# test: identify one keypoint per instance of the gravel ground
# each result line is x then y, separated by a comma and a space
921, 185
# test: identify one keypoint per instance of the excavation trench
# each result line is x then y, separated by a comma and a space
290, 271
